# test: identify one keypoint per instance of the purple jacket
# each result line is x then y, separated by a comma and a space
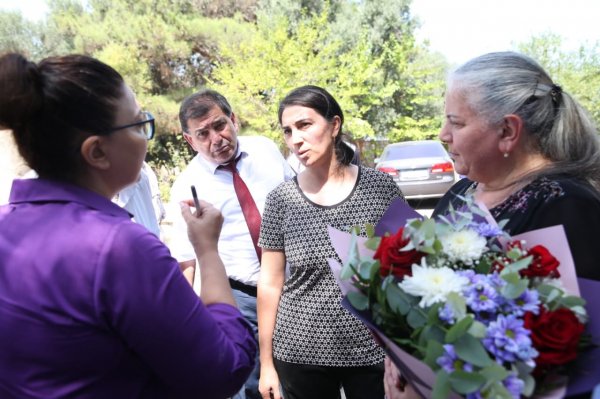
93, 305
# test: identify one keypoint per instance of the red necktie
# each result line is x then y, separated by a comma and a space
249, 209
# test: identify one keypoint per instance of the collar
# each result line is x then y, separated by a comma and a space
43, 190
212, 166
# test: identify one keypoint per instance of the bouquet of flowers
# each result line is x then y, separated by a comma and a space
462, 307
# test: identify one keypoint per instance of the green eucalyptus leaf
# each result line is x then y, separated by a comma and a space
554, 295
494, 372
437, 246
471, 350
370, 230
457, 304
572, 301
518, 265
348, 270
433, 351
367, 269
529, 385
514, 290
546, 290
510, 278
373, 243
387, 281
354, 254
416, 318
497, 391
477, 329
431, 333
433, 317
358, 300
428, 228
459, 329
397, 299
441, 387
580, 311
484, 266
464, 382
408, 247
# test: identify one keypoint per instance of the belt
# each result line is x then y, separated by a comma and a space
245, 288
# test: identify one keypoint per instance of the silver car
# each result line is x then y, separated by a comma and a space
422, 169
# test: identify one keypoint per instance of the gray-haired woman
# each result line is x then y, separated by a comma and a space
528, 149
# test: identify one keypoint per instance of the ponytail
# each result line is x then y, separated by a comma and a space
51, 107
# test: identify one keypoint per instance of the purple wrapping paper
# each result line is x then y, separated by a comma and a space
585, 371
395, 217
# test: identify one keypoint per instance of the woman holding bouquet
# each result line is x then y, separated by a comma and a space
91, 304
528, 150
308, 342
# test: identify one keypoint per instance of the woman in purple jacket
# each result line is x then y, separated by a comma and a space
91, 304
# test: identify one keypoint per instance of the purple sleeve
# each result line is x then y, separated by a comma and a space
141, 294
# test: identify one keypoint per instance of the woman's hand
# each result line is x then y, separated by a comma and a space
394, 385
204, 227
268, 384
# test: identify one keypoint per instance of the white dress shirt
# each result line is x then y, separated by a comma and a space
262, 167
142, 200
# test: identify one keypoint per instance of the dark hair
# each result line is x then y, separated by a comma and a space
53, 106
321, 101
199, 104
498, 84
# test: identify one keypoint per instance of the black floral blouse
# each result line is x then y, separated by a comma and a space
546, 202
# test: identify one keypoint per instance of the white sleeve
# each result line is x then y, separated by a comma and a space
177, 238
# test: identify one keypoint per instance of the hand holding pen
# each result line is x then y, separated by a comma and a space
204, 226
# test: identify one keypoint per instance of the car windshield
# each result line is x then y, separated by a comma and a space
415, 151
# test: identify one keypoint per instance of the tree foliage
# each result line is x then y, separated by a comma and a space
363, 52
255, 51
576, 71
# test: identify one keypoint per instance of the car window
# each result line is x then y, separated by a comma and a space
414, 151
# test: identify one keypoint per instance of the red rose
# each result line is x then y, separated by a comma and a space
555, 335
392, 259
544, 264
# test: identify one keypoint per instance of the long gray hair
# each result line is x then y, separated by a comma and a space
556, 126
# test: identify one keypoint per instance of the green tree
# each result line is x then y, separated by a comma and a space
364, 52
18, 34
256, 73
163, 48
577, 71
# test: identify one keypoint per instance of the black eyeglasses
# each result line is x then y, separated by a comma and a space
147, 125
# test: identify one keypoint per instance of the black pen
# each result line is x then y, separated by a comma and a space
195, 196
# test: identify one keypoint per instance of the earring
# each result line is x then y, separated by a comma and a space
506, 155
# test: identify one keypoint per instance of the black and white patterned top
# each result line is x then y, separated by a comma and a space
312, 327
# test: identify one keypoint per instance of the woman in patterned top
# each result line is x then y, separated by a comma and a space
308, 342
529, 151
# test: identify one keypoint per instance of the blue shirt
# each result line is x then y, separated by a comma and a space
93, 305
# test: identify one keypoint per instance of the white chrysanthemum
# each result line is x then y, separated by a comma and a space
433, 284
465, 245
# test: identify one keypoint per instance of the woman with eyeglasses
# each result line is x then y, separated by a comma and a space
92, 304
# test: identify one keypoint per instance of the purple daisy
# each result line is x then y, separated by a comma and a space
450, 362
509, 340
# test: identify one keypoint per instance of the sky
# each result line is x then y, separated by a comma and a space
463, 29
